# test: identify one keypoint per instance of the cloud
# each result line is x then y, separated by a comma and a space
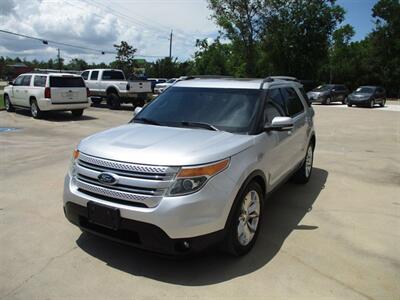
144, 24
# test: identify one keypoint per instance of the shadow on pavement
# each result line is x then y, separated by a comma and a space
124, 106
57, 116
282, 215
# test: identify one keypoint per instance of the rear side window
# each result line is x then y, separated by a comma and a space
26, 81
293, 102
94, 75
85, 75
275, 106
113, 75
39, 81
58, 81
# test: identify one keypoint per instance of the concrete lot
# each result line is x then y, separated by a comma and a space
337, 237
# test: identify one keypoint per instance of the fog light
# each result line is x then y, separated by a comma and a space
186, 245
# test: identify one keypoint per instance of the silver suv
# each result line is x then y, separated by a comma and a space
194, 167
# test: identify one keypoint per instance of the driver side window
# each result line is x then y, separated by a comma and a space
275, 106
18, 81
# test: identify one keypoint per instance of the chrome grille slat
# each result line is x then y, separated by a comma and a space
127, 166
149, 201
134, 183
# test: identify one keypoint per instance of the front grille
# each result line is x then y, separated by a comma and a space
137, 185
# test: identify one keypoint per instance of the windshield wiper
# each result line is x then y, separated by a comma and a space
147, 121
199, 125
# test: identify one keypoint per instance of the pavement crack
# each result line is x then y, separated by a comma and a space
16, 289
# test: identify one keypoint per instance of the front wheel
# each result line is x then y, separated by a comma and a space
245, 225
372, 103
349, 104
304, 173
77, 112
35, 110
7, 103
344, 101
383, 103
327, 100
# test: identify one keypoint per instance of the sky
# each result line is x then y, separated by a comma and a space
146, 24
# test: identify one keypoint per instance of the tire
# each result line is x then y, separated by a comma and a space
371, 103
383, 103
304, 173
344, 101
113, 101
349, 104
245, 224
327, 100
96, 101
77, 112
35, 110
8, 105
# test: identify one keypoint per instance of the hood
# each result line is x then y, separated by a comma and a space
165, 146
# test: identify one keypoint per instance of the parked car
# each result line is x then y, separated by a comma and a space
161, 87
367, 96
185, 175
46, 92
155, 81
328, 93
112, 85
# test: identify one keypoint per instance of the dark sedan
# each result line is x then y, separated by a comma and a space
367, 96
328, 93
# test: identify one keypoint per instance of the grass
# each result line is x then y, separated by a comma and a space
1, 99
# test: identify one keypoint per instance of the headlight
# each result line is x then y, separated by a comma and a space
72, 167
192, 179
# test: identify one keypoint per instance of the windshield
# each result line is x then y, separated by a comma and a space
364, 90
229, 110
321, 88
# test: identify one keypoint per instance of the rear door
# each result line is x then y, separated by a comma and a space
67, 89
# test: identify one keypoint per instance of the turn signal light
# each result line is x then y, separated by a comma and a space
75, 154
208, 170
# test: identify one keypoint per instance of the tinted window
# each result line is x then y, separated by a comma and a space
39, 80
364, 90
58, 81
275, 106
94, 75
323, 88
26, 81
293, 102
231, 110
113, 75
18, 81
85, 75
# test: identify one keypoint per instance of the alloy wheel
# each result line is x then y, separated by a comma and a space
248, 218
309, 161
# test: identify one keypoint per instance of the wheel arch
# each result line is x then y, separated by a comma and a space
32, 98
257, 176
112, 89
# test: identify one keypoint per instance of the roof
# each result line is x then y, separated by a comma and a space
52, 74
237, 83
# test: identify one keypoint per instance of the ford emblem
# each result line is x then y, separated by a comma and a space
107, 178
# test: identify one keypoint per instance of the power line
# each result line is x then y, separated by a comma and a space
47, 41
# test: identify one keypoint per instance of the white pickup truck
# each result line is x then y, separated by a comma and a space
113, 86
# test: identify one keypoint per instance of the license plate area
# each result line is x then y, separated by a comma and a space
102, 215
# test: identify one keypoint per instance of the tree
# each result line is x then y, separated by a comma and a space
125, 58
212, 59
297, 35
240, 22
77, 64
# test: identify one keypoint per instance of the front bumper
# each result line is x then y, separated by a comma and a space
46, 105
356, 101
142, 235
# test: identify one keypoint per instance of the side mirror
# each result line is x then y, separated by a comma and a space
137, 110
10, 83
280, 124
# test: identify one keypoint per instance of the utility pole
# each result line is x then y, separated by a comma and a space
170, 45
59, 59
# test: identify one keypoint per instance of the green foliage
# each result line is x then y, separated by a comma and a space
125, 59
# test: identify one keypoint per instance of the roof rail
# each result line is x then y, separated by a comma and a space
272, 78
265, 80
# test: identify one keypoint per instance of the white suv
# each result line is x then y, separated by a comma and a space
194, 167
45, 92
